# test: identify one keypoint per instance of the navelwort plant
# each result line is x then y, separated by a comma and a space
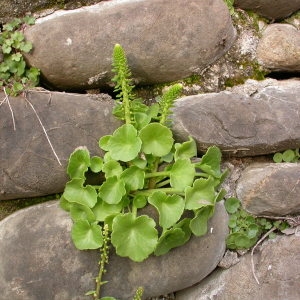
15, 76
246, 229
142, 166
287, 156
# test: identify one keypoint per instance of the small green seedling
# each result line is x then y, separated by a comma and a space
287, 156
245, 229
15, 76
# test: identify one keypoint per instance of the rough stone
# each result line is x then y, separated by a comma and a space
39, 261
270, 189
279, 48
11, 9
164, 41
28, 166
271, 9
263, 122
276, 267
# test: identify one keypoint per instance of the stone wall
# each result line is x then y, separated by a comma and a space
218, 58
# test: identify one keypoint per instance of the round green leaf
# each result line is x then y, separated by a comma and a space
288, 155
79, 163
64, 204
252, 231
81, 212
198, 224
102, 209
96, 164
278, 157
211, 161
86, 236
133, 178
112, 190
185, 150
124, 144
169, 207
103, 142
76, 192
182, 174
172, 238
157, 139
134, 237
112, 168
140, 201
201, 194
232, 205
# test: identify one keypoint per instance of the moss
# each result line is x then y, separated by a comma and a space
8, 207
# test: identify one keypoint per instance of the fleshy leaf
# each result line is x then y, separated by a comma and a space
185, 150
96, 164
210, 162
288, 155
133, 178
201, 194
112, 168
86, 236
112, 190
232, 204
79, 163
102, 209
134, 237
157, 139
141, 120
124, 144
103, 142
172, 238
76, 192
81, 212
170, 208
140, 201
182, 174
64, 204
198, 224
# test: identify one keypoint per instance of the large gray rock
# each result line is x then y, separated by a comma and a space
276, 267
279, 48
11, 9
39, 261
28, 166
272, 9
164, 41
270, 189
255, 121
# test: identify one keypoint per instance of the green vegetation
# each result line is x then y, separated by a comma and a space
287, 156
143, 166
15, 76
245, 229
230, 4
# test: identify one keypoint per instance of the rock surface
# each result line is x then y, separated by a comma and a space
160, 47
271, 9
28, 166
39, 261
241, 125
279, 48
270, 189
10, 9
276, 267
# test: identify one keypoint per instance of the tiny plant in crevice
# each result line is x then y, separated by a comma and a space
15, 76
142, 166
230, 5
246, 229
287, 156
